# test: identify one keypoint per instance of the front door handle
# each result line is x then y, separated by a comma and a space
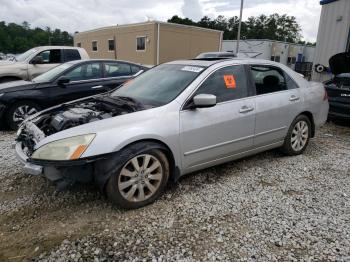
294, 98
96, 87
245, 109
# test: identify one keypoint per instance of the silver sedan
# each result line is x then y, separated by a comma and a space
176, 118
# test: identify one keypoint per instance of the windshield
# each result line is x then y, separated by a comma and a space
159, 85
24, 56
51, 74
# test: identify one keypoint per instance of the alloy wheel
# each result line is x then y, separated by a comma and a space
22, 112
300, 135
140, 178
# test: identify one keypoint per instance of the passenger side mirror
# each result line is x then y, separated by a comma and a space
37, 60
61, 81
204, 100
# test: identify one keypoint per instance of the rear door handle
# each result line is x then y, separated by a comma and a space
294, 98
245, 109
96, 87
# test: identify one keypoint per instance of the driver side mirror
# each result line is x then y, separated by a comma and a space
37, 60
61, 81
204, 100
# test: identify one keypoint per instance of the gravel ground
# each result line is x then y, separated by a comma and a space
267, 208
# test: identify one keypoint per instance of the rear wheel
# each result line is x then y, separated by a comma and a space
141, 179
298, 136
20, 111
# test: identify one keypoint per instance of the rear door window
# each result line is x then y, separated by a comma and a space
71, 55
228, 83
268, 79
135, 69
117, 69
85, 72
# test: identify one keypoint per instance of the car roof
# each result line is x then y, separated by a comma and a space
216, 53
207, 62
74, 62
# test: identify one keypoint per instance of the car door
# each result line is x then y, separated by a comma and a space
212, 135
277, 103
84, 80
50, 59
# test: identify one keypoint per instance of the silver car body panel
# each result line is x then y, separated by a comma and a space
204, 137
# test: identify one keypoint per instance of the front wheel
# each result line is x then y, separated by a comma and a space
140, 181
298, 136
20, 111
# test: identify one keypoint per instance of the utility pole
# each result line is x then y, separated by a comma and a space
239, 27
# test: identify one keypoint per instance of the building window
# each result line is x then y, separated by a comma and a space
94, 46
141, 43
111, 45
78, 44
276, 58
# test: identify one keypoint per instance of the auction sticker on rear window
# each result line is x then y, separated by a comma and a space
230, 81
195, 69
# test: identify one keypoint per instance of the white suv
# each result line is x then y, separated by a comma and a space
38, 60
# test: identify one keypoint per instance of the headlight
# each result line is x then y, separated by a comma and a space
1, 94
64, 149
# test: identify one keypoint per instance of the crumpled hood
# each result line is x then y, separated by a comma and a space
16, 86
340, 63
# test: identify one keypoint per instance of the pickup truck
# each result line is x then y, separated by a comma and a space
38, 60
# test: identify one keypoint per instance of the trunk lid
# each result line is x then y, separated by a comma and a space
340, 63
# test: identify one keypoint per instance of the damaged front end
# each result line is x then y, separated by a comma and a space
65, 172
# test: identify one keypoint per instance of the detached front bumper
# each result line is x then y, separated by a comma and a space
81, 170
29, 168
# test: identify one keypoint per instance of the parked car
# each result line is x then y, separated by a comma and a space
38, 60
174, 119
66, 82
216, 55
338, 88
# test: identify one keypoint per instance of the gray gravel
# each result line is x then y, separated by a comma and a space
267, 208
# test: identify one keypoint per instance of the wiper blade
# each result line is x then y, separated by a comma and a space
127, 98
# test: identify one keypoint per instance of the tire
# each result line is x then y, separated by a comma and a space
298, 136
19, 111
129, 188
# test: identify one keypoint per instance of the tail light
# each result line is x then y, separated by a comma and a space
325, 97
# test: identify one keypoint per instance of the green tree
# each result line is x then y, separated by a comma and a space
274, 27
16, 38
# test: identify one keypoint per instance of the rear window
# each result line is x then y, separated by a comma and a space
71, 55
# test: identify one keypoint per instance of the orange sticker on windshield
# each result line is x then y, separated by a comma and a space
230, 81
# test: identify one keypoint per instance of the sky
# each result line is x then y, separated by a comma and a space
81, 15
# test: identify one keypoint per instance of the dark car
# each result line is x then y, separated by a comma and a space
338, 88
216, 55
66, 82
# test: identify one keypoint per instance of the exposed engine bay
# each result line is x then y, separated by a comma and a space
74, 114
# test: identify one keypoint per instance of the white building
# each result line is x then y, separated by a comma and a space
333, 35
283, 52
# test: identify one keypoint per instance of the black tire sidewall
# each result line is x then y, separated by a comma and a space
10, 112
115, 196
287, 146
